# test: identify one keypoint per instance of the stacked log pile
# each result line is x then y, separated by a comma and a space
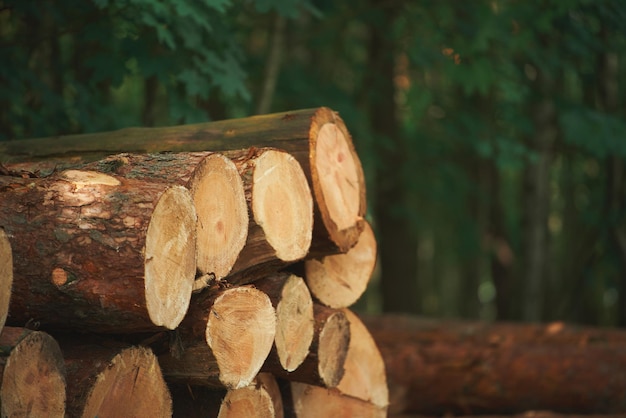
201, 270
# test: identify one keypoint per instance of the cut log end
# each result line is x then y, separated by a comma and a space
338, 281
170, 258
240, 332
132, 385
33, 382
313, 401
220, 202
295, 323
6, 276
282, 204
251, 401
334, 339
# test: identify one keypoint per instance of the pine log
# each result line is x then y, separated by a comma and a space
109, 381
260, 399
324, 363
224, 339
339, 280
6, 276
96, 251
217, 192
308, 401
364, 376
281, 213
32, 374
464, 367
294, 318
318, 139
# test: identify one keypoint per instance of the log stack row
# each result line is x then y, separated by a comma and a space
201, 270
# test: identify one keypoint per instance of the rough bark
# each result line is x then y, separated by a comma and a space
224, 339
281, 213
32, 374
314, 401
109, 381
445, 367
6, 276
294, 318
339, 280
317, 138
324, 364
92, 250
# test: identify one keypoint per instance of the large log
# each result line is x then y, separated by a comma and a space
224, 339
32, 375
6, 276
110, 382
324, 363
92, 250
339, 280
437, 367
318, 139
281, 213
294, 318
217, 192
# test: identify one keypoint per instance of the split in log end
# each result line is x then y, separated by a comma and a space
219, 198
6, 276
170, 257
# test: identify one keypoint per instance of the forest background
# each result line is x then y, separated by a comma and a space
492, 132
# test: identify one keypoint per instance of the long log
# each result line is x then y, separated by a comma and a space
224, 339
294, 318
339, 280
318, 139
459, 367
92, 250
324, 363
32, 374
111, 382
6, 276
281, 213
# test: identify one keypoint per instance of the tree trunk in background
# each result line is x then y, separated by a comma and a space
537, 197
396, 236
151, 87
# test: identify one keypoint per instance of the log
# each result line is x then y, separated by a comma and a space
324, 363
32, 374
281, 213
224, 339
339, 280
294, 318
260, 399
217, 192
318, 139
92, 250
364, 376
466, 367
6, 276
109, 381
308, 401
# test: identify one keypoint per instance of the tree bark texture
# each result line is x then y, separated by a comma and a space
94, 250
32, 374
317, 138
445, 367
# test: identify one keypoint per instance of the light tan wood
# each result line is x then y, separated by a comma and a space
281, 208
32, 375
110, 382
339, 280
310, 401
6, 276
224, 339
96, 250
364, 376
294, 318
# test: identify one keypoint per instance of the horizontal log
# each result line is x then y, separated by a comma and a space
93, 250
318, 139
6, 276
459, 367
32, 374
